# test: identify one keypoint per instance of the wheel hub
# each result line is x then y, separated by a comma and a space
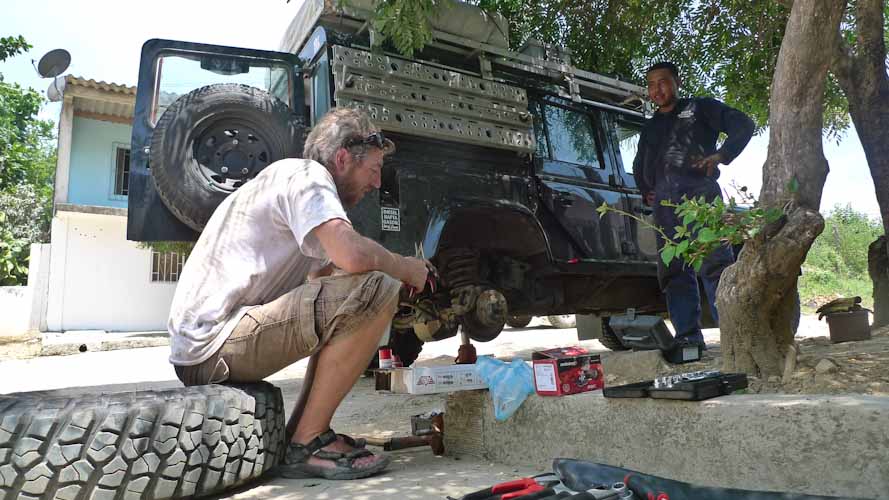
491, 308
229, 155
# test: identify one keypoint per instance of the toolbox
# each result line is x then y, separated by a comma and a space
692, 386
646, 332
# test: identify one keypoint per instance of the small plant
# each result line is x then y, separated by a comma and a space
707, 225
404, 22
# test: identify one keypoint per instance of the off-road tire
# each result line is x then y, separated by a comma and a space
519, 321
175, 443
183, 185
609, 338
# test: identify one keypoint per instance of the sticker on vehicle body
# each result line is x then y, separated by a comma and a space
391, 218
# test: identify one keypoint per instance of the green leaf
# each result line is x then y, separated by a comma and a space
697, 263
682, 247
793, 185
707, 235
667, 254
602, 209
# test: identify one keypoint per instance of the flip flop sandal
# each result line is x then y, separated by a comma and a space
297, 456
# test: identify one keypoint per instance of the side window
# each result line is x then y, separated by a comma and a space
571, 135
627, 140
321, 88
121, 171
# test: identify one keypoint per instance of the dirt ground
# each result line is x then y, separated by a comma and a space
859, 367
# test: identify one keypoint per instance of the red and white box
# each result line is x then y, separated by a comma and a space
566, 370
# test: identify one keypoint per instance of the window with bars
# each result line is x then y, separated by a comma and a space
122, 171
166, 266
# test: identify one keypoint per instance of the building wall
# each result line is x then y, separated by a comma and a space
92, 166
101, 281
15, 302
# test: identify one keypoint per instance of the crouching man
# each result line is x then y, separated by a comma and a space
278, 275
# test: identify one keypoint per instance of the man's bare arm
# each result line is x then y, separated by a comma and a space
354, 253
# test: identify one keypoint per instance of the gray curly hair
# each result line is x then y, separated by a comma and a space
334, 130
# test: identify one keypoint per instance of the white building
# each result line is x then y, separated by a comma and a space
96, 279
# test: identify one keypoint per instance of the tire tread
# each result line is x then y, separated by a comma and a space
147, 445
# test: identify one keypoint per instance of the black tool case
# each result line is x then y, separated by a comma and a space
696, 389
637, 390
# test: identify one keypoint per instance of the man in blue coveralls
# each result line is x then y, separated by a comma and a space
677, 157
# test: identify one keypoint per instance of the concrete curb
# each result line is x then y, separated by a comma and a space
802, 444
63, 344
20, 346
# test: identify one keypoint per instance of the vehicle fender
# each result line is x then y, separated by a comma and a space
491, 224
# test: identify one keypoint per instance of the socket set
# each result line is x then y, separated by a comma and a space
691, 386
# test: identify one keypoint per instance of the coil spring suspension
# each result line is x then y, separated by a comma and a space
461, 267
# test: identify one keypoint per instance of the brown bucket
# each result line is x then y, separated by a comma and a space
848, 326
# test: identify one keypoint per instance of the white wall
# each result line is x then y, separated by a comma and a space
38, 283
15, 310
99, 280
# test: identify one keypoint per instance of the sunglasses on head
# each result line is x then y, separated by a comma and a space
375, 139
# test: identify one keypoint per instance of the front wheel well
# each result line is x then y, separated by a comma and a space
497, 230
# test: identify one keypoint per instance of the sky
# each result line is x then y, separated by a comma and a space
105, 37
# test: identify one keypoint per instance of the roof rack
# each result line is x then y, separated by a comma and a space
581, 86
576, 84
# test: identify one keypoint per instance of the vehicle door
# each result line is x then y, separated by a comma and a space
223, 152
624, 131
574, 179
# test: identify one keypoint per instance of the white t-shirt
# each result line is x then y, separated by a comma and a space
255, 248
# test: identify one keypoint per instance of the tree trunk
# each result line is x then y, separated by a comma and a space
862, 75
755, 295
878, 268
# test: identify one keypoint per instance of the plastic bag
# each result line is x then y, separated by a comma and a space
509, 383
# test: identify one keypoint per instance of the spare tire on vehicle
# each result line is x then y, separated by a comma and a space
211, 141
175, 443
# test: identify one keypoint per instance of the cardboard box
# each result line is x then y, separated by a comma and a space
566, 370
429, 379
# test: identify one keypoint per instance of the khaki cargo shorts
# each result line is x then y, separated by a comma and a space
294, 326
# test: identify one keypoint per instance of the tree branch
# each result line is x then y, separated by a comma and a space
869, 20
843, 65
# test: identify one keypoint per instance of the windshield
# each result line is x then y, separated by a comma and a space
179, 74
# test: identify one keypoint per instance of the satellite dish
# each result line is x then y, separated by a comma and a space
54, 63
